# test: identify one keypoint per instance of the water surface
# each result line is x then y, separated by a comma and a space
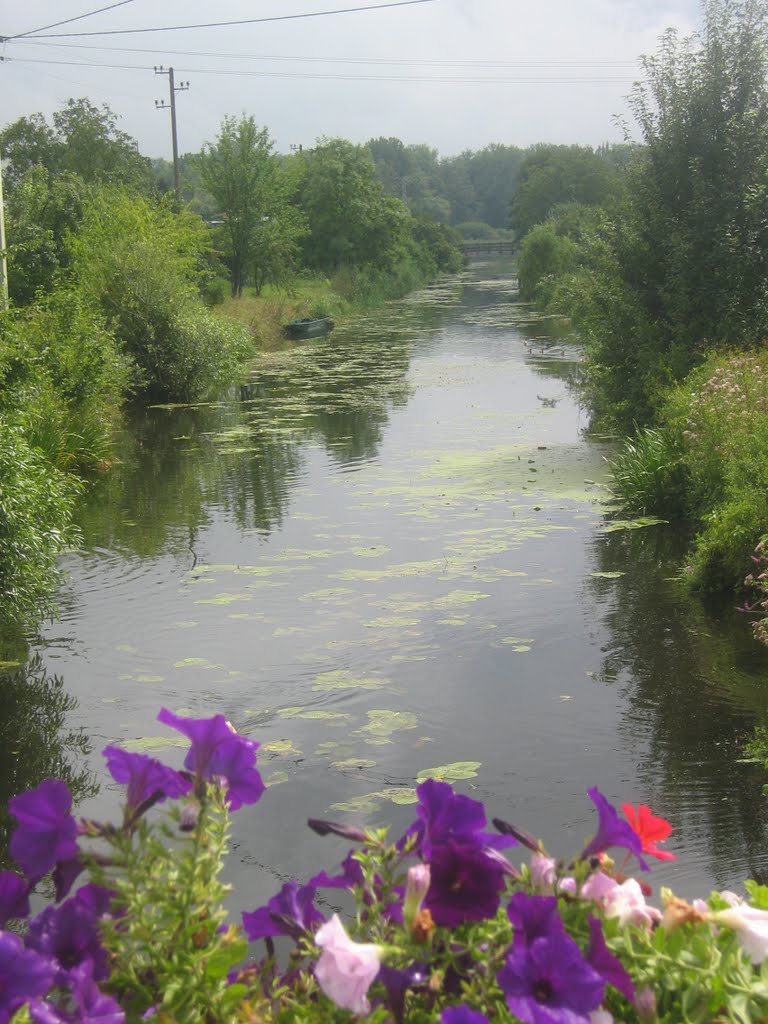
389, 553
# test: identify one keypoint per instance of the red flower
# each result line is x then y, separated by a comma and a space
650, 828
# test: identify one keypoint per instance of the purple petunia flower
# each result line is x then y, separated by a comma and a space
608, 966
351, 875
465, 883
462, 1015
290, 912
533, 917
14, 897
46, 832
612, 831
24, 973
89, 1005
69, 935
65, 873
146, 777
443, 814
397, 981
218, 751
549, 982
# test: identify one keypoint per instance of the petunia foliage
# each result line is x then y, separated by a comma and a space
448, 924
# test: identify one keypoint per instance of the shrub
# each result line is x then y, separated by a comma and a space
63, 377
36, 507
140, 263
648, 474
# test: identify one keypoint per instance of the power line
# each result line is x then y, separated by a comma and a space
421, 62
244, 21
67, 21
456, 79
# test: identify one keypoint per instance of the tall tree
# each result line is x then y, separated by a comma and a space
239, 170
351, 222
84, 139
550, 175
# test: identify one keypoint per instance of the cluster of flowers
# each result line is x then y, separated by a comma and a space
757, 580
447, 928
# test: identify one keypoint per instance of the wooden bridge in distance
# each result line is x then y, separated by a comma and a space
490, 247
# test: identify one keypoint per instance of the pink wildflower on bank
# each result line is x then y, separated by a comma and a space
346, 969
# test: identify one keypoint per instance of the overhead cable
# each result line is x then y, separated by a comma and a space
242, 21
68, 21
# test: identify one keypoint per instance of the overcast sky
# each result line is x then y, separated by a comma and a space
455, 74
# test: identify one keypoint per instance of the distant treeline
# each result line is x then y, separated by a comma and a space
471, 192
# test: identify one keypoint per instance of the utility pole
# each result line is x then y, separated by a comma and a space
162, 105
3, 261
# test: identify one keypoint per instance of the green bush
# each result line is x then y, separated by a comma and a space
36, 507
648, 474
63, 378
141, 263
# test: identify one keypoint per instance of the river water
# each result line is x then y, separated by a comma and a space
390, 554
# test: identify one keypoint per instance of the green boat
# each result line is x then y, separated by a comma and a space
307, 328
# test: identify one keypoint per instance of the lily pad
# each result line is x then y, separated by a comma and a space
343, 679
399, 795
225, 599
607, 575
195, 663
276, 778
450, 772
353, 764
631, 524
283, 748
364, 804
145, 743
384, 723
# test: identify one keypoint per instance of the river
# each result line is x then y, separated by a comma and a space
388, 554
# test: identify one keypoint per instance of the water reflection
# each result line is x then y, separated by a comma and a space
694, 684
365, 558
36, 741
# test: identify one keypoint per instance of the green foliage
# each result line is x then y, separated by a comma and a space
83, 139
648, 474
708, 460
351, 222
544, 255
139, 263
261, 229
36, 507
41, 211
678, 268
550, 175
168, 953
62, 377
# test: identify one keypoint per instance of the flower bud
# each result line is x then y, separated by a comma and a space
189, 815
325, 828
416, 888
645, 1004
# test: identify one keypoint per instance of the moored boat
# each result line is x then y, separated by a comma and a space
307, 328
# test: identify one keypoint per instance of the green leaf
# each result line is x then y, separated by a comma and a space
224, 958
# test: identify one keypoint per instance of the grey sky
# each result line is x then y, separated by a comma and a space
544, 70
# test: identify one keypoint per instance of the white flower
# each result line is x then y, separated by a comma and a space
346, 968
751, 927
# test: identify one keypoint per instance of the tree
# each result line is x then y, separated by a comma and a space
351, 222
558, 174
240, 172
41, 212
83, 139
683, 267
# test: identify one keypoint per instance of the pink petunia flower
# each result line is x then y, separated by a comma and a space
624, 901
346, 969
751, 927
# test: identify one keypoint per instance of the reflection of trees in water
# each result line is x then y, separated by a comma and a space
340, 393
690, 699
175, 465
35, 742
